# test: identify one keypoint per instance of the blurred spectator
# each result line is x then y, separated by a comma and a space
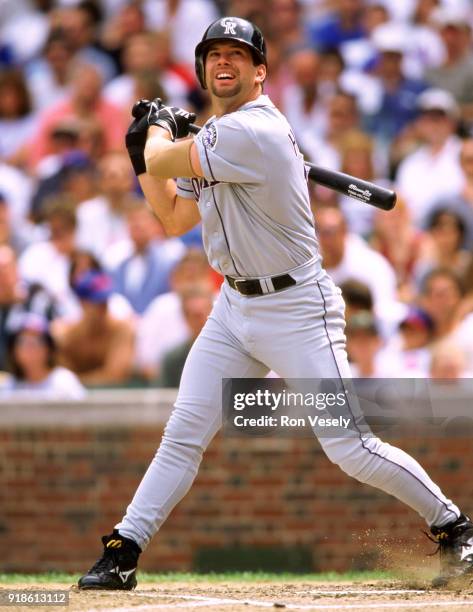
456, 72
17, 120
18, 297
341, 25
146, 59
162, 325
448, 362
196, 306
32, 364
101, 220
398, 94
357, 158
24, 28
85, 101
71, 310
444, 244
191, 17
301, 102
80, 25
98, 347
284, 24
433, 170
47, 75
364, 347
408, 351
342, 117
16, 188
400, 243
47, 262
278, 76
74, 179
441, 295
357, 297
16, 237
461, 202
346, 256
125, 20
144, 273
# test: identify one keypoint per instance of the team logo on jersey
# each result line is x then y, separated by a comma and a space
229, 25
209, 137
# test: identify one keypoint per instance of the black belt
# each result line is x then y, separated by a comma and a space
253, 286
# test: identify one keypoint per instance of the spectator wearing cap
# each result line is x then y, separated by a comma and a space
98, 348
397, 105
73, 177
18, 297
455, 74
432, 171
34, 374
144, 273
364, 346
408, 351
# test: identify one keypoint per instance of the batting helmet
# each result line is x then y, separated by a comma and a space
230, 28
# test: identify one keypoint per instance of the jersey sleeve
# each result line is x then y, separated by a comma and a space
229, 152
184, 188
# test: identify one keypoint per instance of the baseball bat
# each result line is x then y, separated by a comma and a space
346, 184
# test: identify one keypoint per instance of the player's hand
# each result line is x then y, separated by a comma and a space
172, 118
135, 140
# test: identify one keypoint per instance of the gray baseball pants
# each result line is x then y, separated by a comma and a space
298, 333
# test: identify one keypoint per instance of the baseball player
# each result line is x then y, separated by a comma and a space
244, 177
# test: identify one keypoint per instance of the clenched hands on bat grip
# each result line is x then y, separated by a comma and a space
146, 113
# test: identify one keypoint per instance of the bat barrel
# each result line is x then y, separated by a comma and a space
353, 187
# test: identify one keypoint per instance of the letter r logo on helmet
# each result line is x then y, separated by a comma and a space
229, 25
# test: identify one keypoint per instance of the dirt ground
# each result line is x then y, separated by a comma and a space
246, 596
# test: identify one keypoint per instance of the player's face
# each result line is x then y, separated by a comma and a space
229, 70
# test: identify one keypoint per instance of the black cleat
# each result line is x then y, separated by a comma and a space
455, 542
116, 568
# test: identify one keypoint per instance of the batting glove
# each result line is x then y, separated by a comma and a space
135, 138
172, 118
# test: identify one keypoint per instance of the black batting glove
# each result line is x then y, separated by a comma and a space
135, 138
172, 118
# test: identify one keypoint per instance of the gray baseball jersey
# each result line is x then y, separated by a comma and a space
254, 197
257, 223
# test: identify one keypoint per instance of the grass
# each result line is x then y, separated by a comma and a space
145, 577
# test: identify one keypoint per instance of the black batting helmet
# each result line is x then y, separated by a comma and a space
230, 28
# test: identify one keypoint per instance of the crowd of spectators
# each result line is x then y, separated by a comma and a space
92, 293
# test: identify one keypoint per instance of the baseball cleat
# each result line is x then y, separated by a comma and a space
116, 568
455, 542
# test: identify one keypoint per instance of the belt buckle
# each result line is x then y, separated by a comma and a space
236, 281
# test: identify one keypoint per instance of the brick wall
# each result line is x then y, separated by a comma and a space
67, 473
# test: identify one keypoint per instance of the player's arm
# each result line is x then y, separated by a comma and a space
156, 159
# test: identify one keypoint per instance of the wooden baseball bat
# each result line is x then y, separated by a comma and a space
345, 183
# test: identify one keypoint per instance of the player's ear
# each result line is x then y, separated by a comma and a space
260, 73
